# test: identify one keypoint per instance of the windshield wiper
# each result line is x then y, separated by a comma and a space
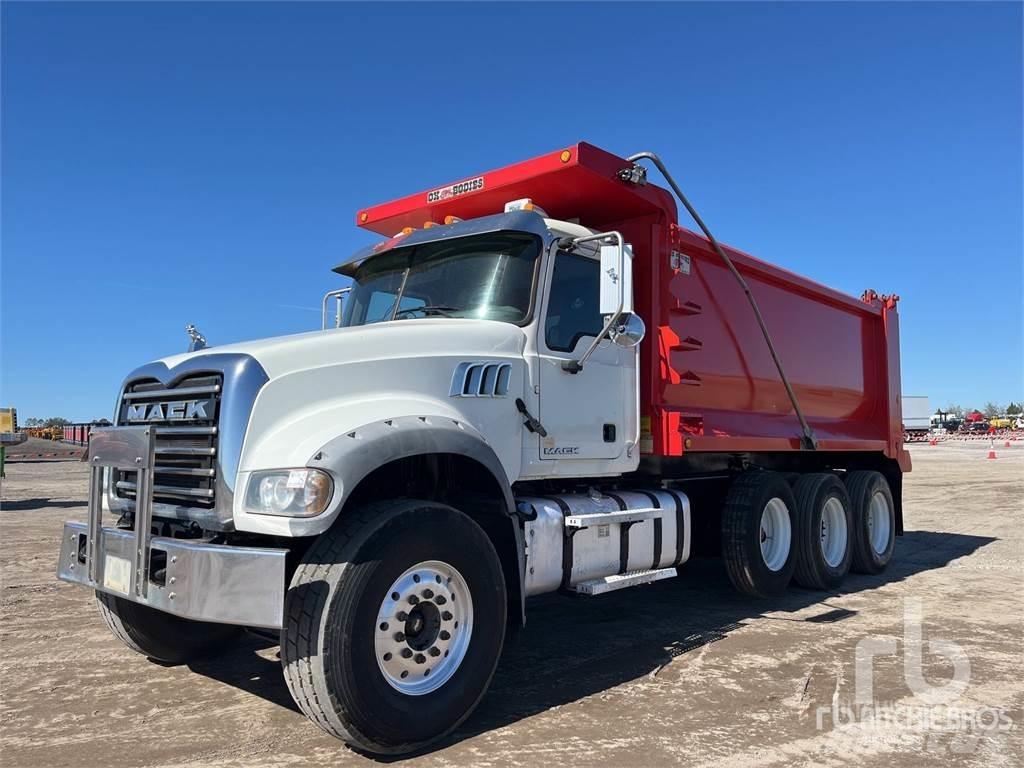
428, 309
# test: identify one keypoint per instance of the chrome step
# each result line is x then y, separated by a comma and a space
621, 581
604, 518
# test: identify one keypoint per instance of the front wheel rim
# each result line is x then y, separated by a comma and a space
879, 523
834, 532
423, 628
776, 534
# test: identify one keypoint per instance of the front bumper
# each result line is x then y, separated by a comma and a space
191, 579
204, 582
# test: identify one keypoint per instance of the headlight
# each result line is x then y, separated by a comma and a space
289, 492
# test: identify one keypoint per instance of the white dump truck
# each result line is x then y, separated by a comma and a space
537, 381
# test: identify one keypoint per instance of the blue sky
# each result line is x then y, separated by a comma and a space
174, 163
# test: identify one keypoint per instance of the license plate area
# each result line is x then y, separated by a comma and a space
117, 574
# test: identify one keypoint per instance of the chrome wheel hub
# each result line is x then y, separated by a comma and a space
423, 628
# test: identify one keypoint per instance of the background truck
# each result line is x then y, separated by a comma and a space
917, 417
539, 382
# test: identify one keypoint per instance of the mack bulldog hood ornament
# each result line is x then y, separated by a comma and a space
196, 340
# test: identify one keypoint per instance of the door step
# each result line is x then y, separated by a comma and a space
587, 519
621, 581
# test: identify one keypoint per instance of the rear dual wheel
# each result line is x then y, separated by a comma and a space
824, 524
757, 533
874, 521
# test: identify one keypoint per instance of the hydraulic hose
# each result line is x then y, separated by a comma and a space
808, 440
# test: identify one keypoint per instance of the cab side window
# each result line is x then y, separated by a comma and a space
573, 310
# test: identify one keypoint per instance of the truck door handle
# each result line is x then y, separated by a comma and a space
531, 423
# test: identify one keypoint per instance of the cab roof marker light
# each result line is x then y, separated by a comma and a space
429, 224
524, 204
452, 219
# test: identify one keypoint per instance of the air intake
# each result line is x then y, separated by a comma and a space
486, 379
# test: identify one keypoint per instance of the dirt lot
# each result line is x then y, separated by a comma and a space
681, 672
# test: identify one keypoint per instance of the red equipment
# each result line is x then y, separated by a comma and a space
708, 380
77, 434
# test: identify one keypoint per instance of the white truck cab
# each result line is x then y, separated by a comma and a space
470, 358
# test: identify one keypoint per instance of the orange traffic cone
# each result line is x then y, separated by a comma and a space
991, 450
1006, 444
933, 441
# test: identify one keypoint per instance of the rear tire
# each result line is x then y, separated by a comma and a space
824, 529
404, 586
874, 521
757, 533
161, 636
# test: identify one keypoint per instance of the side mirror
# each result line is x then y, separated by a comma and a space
616, 279
628, 331
616, 287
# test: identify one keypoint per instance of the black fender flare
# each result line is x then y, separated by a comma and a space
350, 457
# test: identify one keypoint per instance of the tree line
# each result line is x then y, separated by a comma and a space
990, 410
57, 421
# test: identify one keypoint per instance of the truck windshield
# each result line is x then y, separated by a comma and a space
487, 277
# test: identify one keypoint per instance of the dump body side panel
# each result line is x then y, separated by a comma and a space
713, 385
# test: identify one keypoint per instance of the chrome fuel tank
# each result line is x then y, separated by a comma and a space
572, 538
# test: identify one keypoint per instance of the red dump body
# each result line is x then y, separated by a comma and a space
708, 382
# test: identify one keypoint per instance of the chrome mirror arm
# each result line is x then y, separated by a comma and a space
575, 366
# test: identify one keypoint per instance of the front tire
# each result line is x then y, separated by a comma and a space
161, 636
394, 622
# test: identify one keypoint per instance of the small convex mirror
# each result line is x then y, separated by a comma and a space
628, 331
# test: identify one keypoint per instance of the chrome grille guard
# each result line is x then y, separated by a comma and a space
194, 579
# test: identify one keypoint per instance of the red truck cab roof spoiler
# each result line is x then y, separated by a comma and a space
580, 182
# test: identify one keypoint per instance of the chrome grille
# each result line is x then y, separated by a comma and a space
185, 474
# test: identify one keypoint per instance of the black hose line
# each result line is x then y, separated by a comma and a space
808, 440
